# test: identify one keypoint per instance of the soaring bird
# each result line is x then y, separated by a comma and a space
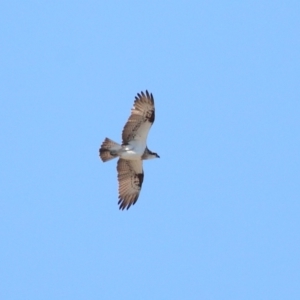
133, 150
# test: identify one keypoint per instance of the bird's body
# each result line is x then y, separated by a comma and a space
133, 149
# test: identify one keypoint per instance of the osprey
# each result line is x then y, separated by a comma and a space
133, 150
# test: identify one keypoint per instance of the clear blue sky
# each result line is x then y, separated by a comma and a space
219, 213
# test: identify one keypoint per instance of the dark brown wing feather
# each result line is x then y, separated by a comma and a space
130, 177
141, 119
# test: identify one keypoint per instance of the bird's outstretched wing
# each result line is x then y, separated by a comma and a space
130, 177
141, 118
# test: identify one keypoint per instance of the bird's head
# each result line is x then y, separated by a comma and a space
149, 154
155, 155
152, 155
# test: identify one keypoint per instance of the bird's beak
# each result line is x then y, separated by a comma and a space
158, 156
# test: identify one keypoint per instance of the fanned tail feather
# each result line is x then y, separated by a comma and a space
109, 150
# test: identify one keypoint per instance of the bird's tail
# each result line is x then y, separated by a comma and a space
109, 150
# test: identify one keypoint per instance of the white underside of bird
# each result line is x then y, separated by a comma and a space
134, 150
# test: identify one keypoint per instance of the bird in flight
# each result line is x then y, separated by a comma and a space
133, 150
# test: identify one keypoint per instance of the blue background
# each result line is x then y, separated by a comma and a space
218, 216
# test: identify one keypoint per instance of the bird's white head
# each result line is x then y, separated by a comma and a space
149, 154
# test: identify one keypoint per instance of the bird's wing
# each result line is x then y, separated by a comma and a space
130, 177
141, 119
